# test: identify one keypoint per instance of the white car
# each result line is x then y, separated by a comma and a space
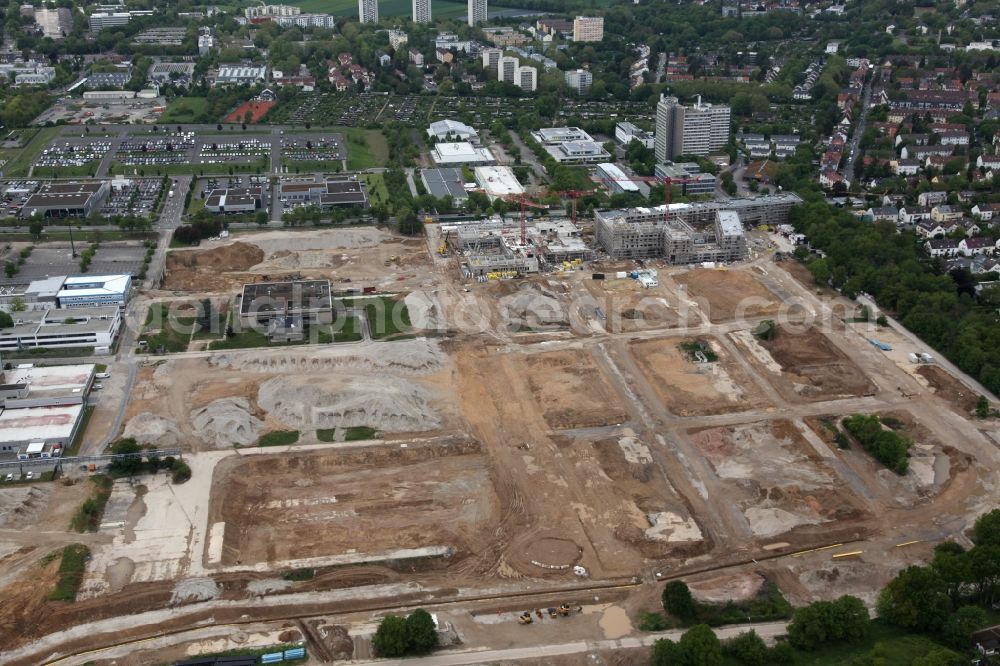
10, 477
29, 476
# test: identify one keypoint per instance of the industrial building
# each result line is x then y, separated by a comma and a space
66, 199
84, 327
42, 408
570, 145
616, 180
171, 72
236, 200
699, 129
244, 75
445, 183
498, 181
328, 192
636, 234
461, 153
452, 130
493, 247
304, 301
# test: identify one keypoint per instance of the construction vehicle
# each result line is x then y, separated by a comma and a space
443, 250
525, 618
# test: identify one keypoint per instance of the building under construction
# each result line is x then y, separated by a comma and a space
668, 236
687, 233
495, 247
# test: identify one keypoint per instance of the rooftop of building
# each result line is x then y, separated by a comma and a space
51, 381
39, 423
95, 285
295, 295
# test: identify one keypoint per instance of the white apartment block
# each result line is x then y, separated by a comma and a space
397, 38
588, 28
421, 11
271, 11
580, 80
491, 60
527, 78
368, 11
477, 12
699, 129
508, 69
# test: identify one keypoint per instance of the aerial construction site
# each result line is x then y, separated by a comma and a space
526, 424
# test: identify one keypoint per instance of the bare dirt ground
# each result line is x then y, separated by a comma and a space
571, 390
278, 508
777, 480
724, 295
954, 392
803, 364
686, 387
366, 256
630, 308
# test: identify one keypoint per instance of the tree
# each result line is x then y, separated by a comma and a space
667, 653
678, 602
748, 648
126, 466
982, 407
957, 631
701, 647
35, 228
390, 638
420, 632
940, 657
6, 321
987, 529
261, 218
18, 305
843, 620
916, 599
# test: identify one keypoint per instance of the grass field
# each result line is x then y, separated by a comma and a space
83, 171
26, 156
262, 165
365, 149
279, 438
376, 188
184, 110
313, 166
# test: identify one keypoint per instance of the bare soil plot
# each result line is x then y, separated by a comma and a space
778, 482
216, 269
725, 295
278, 508
952, 391
806, 365
689, 388
629, 307
571, 390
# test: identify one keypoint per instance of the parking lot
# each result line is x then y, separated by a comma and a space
157, 150
313, 148
132, 196
47, 259
15, 194
236, 150
72, 156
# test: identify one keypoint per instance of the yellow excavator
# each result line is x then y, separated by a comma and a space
525, 618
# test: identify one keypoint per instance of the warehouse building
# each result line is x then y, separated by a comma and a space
498, 182
66, 199
616, 180
445, 183
42, 409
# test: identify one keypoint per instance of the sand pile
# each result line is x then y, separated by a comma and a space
193, 590
533, 305
382, 402
425, 311
147, 428
405, 357
226, 422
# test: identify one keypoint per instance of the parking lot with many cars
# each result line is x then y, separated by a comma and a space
132, 196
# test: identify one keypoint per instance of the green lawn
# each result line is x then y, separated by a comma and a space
365, 148
895, 646
355, 434
262, 165
185, 110
350, 332
172, 333
242, 340
279, 438
377, 192
387, 318
26, 156
83, 171
313, 166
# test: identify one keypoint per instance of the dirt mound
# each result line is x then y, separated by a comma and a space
238, 256
405, 357
381, 402
147, 428
226, 422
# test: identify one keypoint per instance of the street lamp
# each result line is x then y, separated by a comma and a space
72, 246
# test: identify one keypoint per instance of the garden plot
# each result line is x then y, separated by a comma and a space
776, 480
689, 386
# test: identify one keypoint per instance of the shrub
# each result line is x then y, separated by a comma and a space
181, 472
652, 622
678, 602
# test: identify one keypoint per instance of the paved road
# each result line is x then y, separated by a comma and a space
859, 130
768, 632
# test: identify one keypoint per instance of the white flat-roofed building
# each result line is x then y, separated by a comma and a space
53, 426
498, 181
617, 180
461, 152
577, 152
35, 386
560, 135
94, 290
101, 20
626, 133
84, 327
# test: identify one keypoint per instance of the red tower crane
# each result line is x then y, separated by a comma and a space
574, 194
525, 203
